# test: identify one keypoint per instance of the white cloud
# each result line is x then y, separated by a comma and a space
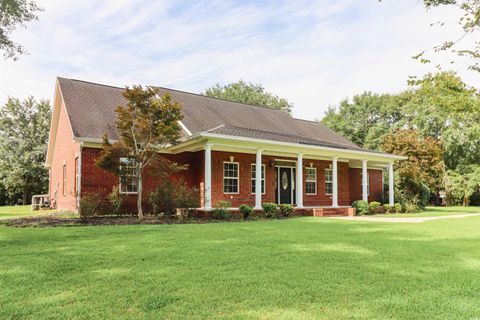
313, 53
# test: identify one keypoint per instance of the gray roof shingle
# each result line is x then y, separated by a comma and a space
91, 110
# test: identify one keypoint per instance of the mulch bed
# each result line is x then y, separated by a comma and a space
53, 221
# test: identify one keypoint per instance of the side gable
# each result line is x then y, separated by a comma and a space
60, 119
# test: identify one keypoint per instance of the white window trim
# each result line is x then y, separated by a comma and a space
264, 186
120, 182
331, 181
64, 179
368, 182
315, 180
237, 178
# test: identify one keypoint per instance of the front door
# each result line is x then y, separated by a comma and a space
284, 185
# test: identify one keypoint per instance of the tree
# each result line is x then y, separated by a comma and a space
249, 93
366, 117
13, 14
424, 164
24, 129
462, 184
469, 21
147, 125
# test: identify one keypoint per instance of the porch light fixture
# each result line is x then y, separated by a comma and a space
271, 163
232, 158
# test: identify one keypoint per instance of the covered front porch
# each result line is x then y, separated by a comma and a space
312, 178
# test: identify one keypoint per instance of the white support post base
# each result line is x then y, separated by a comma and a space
258, 180
391, 184
364, 181
299, 181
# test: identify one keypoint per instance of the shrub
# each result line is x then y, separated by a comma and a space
375, 207
186, 201
115, 198
162, 199
361, 207
423, 197
410, 207
397, 207
89, 205
387, 208
475, 199
220, 209
270, 209
246, 210
286, 209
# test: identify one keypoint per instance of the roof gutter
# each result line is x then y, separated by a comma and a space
294, 145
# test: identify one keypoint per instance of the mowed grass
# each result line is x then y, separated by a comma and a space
9, 212
302, 268
434, 211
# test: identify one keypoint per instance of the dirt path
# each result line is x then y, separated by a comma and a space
406, 220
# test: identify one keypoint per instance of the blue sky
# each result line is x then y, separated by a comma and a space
314, 53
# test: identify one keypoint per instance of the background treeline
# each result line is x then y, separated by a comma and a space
24, 128
435, 123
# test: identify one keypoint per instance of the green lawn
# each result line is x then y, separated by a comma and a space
302, 268
21, 211
434, 211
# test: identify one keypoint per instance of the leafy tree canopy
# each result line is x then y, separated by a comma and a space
24, 129
13, 14
249, 93
147, 124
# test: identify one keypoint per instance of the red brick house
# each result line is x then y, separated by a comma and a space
302, 162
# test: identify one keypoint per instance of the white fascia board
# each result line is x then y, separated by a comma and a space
340, 152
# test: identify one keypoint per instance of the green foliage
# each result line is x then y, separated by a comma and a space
462, 185
90, 205
270, 209
246, 210
147, 124
249, 93
475, 199
220, 209
375, 206
286, 209
116, 200
14, 14
469, 22
361, 207
172, 195
423, 197
24, 129
397, 207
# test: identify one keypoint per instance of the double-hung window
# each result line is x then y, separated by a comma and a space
328, 181
128, 180
311, 180
254, 172
230, 177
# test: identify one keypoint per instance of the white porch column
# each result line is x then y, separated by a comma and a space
335, 182
208, 176
299, 181
391, 200
364, 181
258, 180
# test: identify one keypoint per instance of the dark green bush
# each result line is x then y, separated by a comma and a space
475, 199
116, 199
375, 207
286, 209
246, 210
220, 210
423, 197
361, 207
90, 205
162, 199
270, 209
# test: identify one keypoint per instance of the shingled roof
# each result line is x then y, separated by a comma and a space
91, 110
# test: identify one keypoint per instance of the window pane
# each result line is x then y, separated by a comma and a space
254, 176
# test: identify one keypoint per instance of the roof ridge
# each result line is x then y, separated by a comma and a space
221, 99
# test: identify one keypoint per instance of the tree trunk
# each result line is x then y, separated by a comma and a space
25, 196
139, 196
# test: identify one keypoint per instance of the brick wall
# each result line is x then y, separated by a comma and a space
376, 186
97, 180
66, 150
